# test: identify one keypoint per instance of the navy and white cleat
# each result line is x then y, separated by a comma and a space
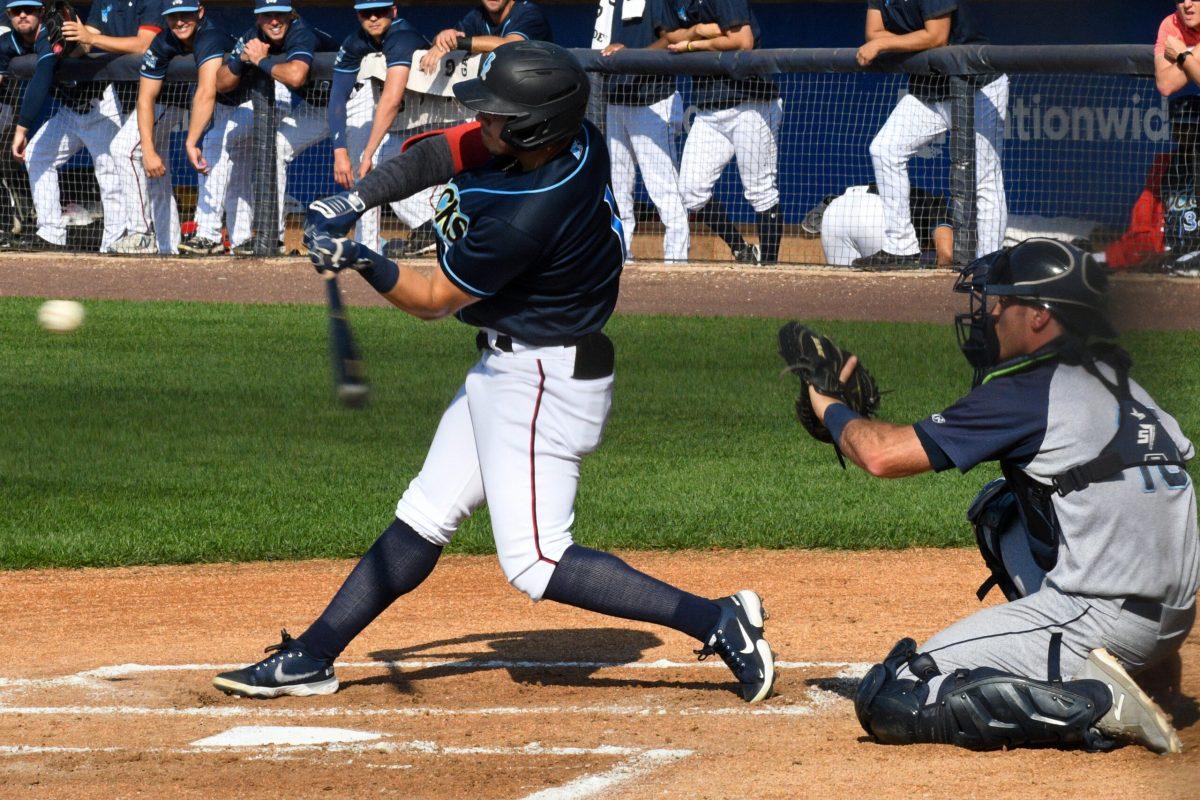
738, 640
289, 671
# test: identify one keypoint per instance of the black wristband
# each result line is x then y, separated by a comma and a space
464, 43
1179, 59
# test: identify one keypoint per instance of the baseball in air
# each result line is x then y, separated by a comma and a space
60, 316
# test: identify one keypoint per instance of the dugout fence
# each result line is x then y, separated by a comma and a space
1081, 129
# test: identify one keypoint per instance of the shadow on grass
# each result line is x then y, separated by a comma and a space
540, 648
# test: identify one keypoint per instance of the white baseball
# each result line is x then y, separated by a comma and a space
60, 316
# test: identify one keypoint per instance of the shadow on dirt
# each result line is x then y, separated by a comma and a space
537, 658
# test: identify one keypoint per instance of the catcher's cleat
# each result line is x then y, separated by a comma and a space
290, 670
883, 261
747, 254
738, 640
1133, 717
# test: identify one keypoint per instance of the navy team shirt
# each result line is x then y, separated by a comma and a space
11, 46
712, 93
906, 16
399, 43
209, 42
639, 90
525, 19
542, 249
299, 44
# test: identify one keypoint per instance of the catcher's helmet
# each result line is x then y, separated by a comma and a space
1065, 280
538, 85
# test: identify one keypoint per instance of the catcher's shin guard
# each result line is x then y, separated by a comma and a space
770, 233
979, 709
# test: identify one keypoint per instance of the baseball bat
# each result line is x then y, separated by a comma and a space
348, 379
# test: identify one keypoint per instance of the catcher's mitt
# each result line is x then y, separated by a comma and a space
818, 362
54, 14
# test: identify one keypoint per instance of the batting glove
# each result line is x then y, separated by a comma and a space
331, 253
333, 216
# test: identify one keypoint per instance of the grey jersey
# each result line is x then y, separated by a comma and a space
1134, 535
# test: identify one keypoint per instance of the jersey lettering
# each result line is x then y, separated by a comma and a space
451, 223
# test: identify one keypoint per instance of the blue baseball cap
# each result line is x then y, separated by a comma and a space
363, 5
267, 8
180, 7
23, 3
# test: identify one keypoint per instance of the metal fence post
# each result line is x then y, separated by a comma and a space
266, 194
962, 168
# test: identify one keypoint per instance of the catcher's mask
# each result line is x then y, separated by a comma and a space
1059, 277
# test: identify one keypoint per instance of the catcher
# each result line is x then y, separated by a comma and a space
1091, 534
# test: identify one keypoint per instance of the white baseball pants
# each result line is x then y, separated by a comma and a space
150, 201
513, 438
644, 136
412, 211
299, 129
749, 131
915, 123
852, 226
227, 187
61, 137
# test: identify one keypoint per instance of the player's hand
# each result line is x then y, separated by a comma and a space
822, 402
612, 48
1174, 46
18, 144
682, 47
75, 31
431, 59
195, 157
153, 164
255, 51
330, 253
333, 216
447, 40
343, 172
868, 53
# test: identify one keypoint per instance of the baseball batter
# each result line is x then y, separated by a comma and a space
1091, 534
906, 26
281, 45
642, 115
486, 27
734, 117
25, 18
361, 125
531, 252
91, 115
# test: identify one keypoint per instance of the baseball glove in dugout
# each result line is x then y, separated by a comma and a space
818, 362
54, 14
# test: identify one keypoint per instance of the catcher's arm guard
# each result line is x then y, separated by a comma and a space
818, 363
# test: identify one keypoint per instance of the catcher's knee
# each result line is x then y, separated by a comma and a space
979, 709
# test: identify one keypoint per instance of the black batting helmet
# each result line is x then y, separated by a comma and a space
539, 86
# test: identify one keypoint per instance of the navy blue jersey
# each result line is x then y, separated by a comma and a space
125, 17
399, 43
714, 92
543, 249
209, 42
11, 46
300, 43
639, 90
525, 19
906, 16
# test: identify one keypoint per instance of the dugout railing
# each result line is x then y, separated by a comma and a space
1084, 126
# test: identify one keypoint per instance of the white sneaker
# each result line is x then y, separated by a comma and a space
135, 244
1133, 717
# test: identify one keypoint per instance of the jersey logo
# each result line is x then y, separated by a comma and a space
577, 150
150, 61
448, 219
938, 419
1146, 434
104, 13
487, 65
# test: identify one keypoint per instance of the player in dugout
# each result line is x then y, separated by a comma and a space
486, 27
530, 255
1091, 534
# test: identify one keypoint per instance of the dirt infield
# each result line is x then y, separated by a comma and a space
475, 693
464, 689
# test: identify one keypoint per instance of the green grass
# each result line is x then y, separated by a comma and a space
180, 432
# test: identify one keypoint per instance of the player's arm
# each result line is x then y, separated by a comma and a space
339, 96
390, 100
427, 297
936, 33
37, 92
203, 103
875, 28
291, 70
1171, 76
713, 38
943, 245
148, 92
92, 38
